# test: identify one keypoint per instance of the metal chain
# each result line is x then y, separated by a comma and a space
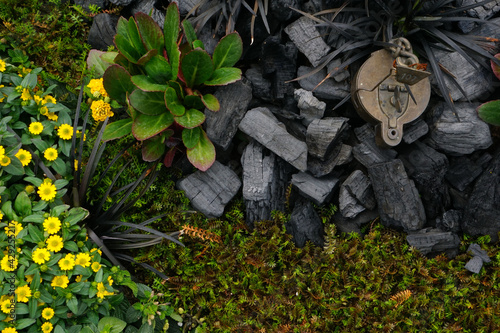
403, 51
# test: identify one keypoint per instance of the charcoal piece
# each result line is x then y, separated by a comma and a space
319, 190
342, 74
450, 221
305, 224
341, 154
348, 205
310, 107
148, 6
475, 250
398, 200
358, 185
323, 135
210, 191
460, 132
354, 225
483, 160
102, 31
462, 172
367, 152
265, 177
282, 9
262, 125
474, 265
414, 131
121, 2
261, 87
223, 124
481, 12
329, 89
434, 241
306, 37
459, 199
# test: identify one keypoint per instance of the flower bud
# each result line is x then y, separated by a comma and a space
44, 268
80, 244
37, 294
114, 269
69, 295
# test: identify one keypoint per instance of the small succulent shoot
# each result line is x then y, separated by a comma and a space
490, 111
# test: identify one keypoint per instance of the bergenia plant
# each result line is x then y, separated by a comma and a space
490, 111
159, 77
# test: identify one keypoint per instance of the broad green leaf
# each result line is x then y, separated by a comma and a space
171, 33
72, 304
191, 118
224, 76
114, 324
117, 82
159, 69
154, 148
59, 166
135, 37
178, 88
197, 67
145, 83
117, 129
198, 44
15, 168
40, 144
191, 136
35, 233
202, 156
189, 32
194, 102
146, 126
211, 102
121, 27
150, 32
490, 112
109, 58
148, 102
126, 48
147, 56
98, 61
22, 204
23, 323
172, 102
228, 51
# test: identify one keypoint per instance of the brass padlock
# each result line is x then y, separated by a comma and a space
381, 99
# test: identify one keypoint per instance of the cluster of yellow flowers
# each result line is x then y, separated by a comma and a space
22, 155
101, 109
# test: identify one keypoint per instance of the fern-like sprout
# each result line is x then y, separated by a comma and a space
200, 233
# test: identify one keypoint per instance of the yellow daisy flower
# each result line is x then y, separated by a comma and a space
49, 99
52, 116
23, 293
9, 263
101, 290
25, 95
9, 330
52, 225
55, 243
47, 313
36, 128
1, 216
60, 281
5, 305
95, 266
96, 249
47, 191
2, 151
97, 88
24, 156
50, 154
40, 256
47, 327
4, 160
13, 228
82, 259
65, 132
2, 65
101, 110
67, 263
39, 100
110, 280
44, 111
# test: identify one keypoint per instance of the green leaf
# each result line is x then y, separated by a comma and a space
35, 233
60, 183
197, 67
198, 44
135, 37
172, 102
150, 31
191, 118
71, 246
15, 168
72, 304
117, 82
114, 324
154, 148
211, 102
490, 112
159, 69
32, 305
202, 156
58, 210
23, 323
76, 214
33, 180
148, 102
117, 129
146, 126
96, 61
36, 218
193, 101
22, 204
224, 76
127, 49
147, 57
60, 167
191, 137
189, 32
146, 328
171, 34
228, 51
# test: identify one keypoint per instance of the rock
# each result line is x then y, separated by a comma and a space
341, 154
474, 265
414, 131
261, 87
462, 172
210, 191
102, 31
398, 200
306, 37
450, 221
265, 177
305, 224
310, 107
262, 125
434, 241
329, 89
476, 250
319, 190
223, 124
324, 134
458, 133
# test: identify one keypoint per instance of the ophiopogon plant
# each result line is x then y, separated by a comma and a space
159, 76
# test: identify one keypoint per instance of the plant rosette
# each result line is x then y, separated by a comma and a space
159, 77
52, 275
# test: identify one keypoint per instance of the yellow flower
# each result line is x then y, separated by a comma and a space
40, 256
101, 110
36, 128
96, 266
9, 263
25, 95
49, 99
97, 88
67, 263
50, 154
4, 160
39, 100
23, 293
1, 216
96, 249
47, 313
44, 111
47, 327
24, 156
6, 305
83, 259
9, 330
2, 65
110, 280
101, 290
29, 189
55, 243
29, 278
47, 191
2, 151
52, 116
13, 228
65, 132
52, 225
79, 278
60, 281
